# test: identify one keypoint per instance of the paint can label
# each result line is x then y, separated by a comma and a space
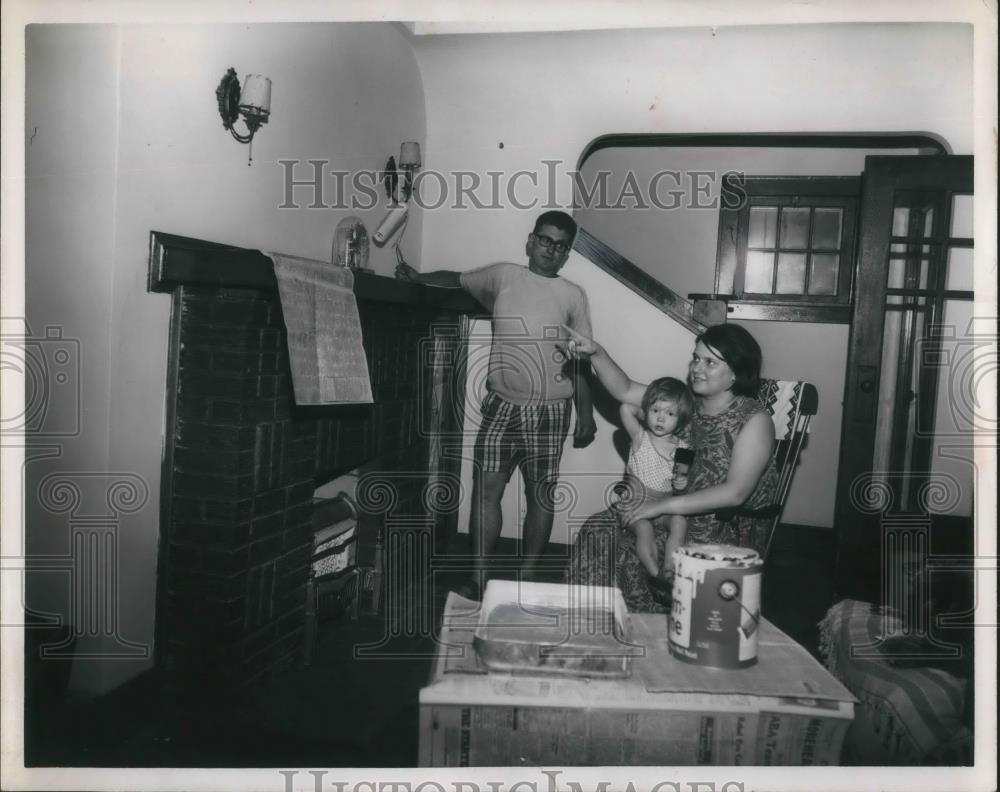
716, 606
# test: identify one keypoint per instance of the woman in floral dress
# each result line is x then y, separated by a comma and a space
733, 472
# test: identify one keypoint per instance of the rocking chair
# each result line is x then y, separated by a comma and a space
601, 554
791, 405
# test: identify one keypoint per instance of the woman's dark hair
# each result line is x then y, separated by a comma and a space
557, 219
741, 352
670, 390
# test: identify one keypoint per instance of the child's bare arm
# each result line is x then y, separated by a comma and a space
630, 415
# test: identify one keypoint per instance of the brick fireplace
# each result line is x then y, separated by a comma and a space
241, 461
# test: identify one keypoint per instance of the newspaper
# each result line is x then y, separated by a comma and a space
325, 352
472, 718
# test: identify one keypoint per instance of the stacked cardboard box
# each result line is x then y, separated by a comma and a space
786, 710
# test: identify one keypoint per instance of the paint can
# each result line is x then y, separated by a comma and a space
716, 608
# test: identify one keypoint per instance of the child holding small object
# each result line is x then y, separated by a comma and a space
657, 466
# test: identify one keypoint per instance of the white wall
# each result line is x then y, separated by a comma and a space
150, 153
517, 100
70, 246
678, 247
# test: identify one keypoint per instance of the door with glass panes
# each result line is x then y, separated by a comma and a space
909, 402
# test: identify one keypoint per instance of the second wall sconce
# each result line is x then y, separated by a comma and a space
409, 164
252, 101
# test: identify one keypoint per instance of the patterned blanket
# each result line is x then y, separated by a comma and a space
907, 715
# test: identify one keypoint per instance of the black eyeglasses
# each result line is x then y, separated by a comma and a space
550, 244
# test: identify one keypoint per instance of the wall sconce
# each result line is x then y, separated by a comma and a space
409, 161
409, 164
253, 102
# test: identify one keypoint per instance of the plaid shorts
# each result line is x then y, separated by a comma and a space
530, 437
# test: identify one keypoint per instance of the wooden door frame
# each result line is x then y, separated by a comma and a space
883, 177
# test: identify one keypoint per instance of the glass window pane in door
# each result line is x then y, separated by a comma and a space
897, 268
907, 273
791, 277
794, 228
959, 407
928, 222
958, 276
886, 406
897, 404
760, 270
922, 268
763, 226
961, 216
900, 221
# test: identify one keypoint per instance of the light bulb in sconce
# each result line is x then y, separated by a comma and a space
252, 102
409, 155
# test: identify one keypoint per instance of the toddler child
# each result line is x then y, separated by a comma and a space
655, 430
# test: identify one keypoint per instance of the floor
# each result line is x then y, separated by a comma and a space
346, 710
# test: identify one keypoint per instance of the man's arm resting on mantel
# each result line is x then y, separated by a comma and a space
443, 278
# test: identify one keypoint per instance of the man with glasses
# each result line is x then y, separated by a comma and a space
526, 410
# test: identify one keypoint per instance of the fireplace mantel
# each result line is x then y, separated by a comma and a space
241, 460
177, 260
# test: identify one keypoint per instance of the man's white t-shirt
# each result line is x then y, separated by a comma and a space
528, 313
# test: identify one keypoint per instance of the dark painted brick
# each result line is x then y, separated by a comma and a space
292, 620
298, 536
263, 527
267, 387
295, 560
194, 408
271, 340
205, 485
183, 556
208, 336
182, 508
293, 602
224, 561
259, 641
224, 412
265, 550
205, 534
240, 332
292, 583
227, 387
196, 309
269, 502
267, 363
299, 513
236, 294
191, 434
298, 469
227, 510
208, 585
300, 491
256, 411
240, 312
195, 359
195, 460
229, 363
